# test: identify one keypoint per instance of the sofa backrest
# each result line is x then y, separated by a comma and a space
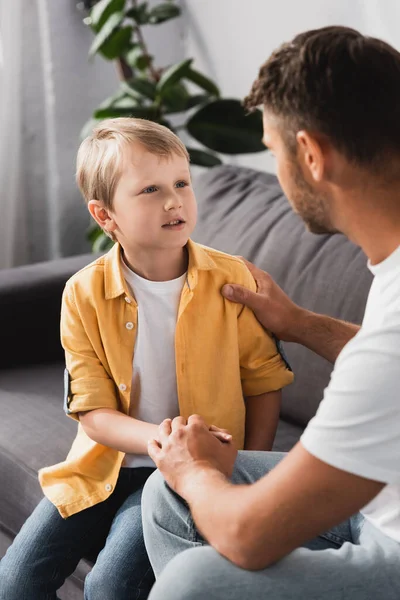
242, 211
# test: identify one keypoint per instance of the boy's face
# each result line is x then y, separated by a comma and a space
154, 206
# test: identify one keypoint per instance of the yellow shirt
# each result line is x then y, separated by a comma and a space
222, 354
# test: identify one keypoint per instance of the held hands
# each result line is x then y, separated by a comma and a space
272, 307
185, 446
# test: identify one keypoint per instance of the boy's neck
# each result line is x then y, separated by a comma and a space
158, 265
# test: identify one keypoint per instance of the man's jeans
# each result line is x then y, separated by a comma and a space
48, 548
353, 561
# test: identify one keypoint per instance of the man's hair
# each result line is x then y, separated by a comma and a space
98, 166
337, 82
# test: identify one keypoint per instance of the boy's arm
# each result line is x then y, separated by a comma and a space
262, 417
119, 431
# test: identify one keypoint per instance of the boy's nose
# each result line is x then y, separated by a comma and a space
172, 202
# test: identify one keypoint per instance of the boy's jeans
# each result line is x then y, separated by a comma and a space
353, 561
48, 548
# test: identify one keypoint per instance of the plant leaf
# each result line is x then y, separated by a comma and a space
140, 112
163, 12
140, 14
196, 100
117, 43
106, 31
136, 59
112, 99
203, 159
102, 243
103, 10
224, 126
93, 232
203, 82
141, 87
175, 98
173, 75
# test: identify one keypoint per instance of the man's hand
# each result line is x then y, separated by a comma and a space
272, 307
291, 323
185, 447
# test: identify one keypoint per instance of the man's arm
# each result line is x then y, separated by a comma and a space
291, 323
295, 502
255, 525
262, 417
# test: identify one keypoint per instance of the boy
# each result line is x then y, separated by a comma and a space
147, 336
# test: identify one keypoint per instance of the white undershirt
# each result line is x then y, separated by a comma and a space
154, 393
357, 426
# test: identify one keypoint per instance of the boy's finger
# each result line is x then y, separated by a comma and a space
215, 428
222, 437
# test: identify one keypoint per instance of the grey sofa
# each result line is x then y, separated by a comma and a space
241, 211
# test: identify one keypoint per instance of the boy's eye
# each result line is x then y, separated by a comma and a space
181, 184
149, 190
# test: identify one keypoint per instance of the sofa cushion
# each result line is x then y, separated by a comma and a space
33, 433
242, 211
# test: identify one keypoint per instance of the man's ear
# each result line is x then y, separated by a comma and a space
311, 154
102, 215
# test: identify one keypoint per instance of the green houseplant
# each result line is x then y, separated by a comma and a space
178, 91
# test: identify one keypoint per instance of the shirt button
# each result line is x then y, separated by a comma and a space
122, 387
108, 487
127, 299
129, 325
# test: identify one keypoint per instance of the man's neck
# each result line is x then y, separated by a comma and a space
157, 265
371, 219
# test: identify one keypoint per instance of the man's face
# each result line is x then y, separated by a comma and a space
305, 199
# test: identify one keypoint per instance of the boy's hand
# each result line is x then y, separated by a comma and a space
271, 306
186, 447
222, 435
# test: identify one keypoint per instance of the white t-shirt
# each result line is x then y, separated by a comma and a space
154, 395
357, 426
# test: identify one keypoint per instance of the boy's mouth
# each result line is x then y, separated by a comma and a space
174, 224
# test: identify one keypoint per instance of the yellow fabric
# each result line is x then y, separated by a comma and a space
222, 353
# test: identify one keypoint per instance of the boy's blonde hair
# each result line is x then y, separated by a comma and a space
98, 164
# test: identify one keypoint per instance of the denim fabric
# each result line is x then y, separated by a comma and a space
353, 561
48, 548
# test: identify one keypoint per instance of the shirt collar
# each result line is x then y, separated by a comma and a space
114, 281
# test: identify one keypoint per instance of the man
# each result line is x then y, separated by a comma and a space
324, 520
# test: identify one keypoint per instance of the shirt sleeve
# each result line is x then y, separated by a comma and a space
357, 425
87, 384
262, 366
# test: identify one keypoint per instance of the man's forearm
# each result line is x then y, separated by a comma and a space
217, 520
116, 430
323, 335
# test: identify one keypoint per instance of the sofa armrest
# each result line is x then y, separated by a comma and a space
30, 301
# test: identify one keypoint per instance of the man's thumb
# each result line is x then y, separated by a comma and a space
240, 294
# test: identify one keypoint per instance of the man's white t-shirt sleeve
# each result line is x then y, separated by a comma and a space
356, 428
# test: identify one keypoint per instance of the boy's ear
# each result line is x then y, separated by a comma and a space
102, 215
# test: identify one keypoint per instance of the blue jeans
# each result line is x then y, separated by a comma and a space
48, 548
353, 561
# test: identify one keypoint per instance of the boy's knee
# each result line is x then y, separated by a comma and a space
15, 585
